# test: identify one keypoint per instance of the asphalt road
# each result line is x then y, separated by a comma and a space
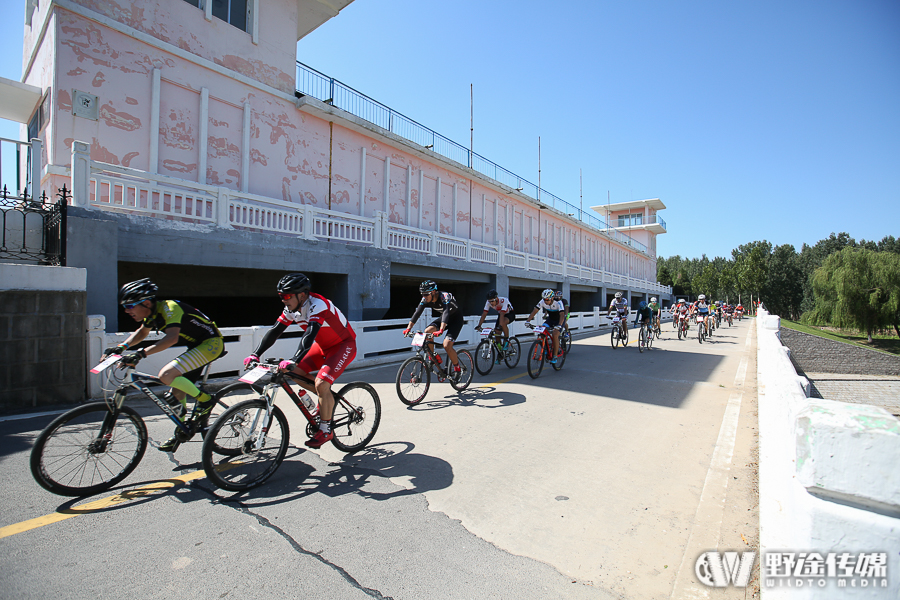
604, 480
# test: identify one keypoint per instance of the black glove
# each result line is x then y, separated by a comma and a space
121, 348
131, 359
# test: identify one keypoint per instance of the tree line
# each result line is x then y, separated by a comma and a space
837, 281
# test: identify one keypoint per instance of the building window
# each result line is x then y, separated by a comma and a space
233, 12
629, 220
194, 3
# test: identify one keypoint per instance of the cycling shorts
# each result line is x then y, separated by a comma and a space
199, 356
552, 326
329, 364
510, 316
454, 326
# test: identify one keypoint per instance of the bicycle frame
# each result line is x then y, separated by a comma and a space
435, 361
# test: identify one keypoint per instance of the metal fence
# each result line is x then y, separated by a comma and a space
33, 230
331, 91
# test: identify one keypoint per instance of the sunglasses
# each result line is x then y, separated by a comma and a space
285, 296
130, 306
493, 301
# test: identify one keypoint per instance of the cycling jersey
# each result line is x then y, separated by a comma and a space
643, 314
334, 327
503, 305
702, 307
621, 305
551, 311
444, 307
654, 307
195, 326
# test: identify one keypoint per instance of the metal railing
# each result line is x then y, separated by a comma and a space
33, 231
313, 83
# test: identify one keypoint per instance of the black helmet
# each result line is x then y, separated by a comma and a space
492, 295
293, 283
137, 291
427, 286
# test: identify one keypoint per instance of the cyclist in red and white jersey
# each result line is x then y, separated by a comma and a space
506, 314
327, 347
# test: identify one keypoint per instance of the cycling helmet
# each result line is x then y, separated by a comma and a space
701, 297
653, 299
427, 286
557, 294
492, 295
618, 295
137, 291
293, 283
548, 294
643, 304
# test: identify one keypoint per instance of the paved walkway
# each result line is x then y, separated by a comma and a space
878, 390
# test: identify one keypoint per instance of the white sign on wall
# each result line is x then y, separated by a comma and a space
85, 105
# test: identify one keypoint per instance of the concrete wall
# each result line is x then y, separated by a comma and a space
42, 336
814, 354
828, 475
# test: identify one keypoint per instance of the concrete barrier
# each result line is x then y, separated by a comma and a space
829, 480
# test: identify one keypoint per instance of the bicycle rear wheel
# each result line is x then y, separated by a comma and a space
565, 338
512, 353
87, 450
260, 440
357, 414
413, 380
536, 359
485, 356
225, 398
465, 361
561, 359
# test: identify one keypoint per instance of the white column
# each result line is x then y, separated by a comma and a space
483, 214
408, 195
387, 184
203, 140
421, 196
155, 86
36, 164
81, 174
245, 150
453, 214
362, 182
437, 205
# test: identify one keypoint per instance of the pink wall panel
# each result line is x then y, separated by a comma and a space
427, 202
374, 196
397, 194
223, 154
179, 118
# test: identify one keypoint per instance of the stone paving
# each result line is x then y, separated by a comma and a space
878, 390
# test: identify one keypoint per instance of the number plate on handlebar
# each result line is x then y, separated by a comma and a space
110, 360
539, 330
254, 375
486, 331
617, 319
418, 340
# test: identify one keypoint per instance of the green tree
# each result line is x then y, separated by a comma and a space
752, 266
783, 291
663, 275
728, 282
706, 282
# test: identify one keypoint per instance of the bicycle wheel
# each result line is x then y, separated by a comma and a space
700, 334
227, 397
625, 339
465, 361
650, 339
512, 353
485, 355
261, 441
561, 359
87, 450
614, 337
413, 380
642, 339
357, 414
536, 358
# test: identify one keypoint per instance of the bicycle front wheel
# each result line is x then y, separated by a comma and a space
227, 397
512, 353
413, 380
88, 450
536, 359
465, 361
485, 356
357, 414
614, 337
257, 443
642, 340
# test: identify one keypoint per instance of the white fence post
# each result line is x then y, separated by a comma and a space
96, 343
222, 210
81, 174
309, 226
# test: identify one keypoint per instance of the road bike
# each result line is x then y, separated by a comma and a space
542, 350
92, 447
645, 337
254, 432
701, 329
617, 335
493, 349
414, 376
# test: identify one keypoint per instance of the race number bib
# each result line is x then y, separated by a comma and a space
418, 340
254, 375
110, 360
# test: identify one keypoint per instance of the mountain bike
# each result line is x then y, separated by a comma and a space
254, 432
414, 376
701, 329
92, 447
728, 318
683, 326
492, 350
541, 350
616, 335
645, 338
657, 327
565, 339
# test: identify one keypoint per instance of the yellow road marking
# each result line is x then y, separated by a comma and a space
504, 380
97, 505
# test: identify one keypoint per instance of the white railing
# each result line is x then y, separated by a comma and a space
111, 187
377, 342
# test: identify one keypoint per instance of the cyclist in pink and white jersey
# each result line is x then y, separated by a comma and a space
327, 347
506, 314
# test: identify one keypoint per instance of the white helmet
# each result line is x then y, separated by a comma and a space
653, 299
618, 295
701, 297
548, 294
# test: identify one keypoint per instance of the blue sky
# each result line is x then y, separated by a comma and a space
750, 120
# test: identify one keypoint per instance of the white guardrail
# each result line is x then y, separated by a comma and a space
377, 342
116, 188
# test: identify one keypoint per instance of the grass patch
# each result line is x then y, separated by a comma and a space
888, 344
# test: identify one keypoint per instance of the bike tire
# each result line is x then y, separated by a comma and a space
700, 332
625, 339
485, 356
560, 360
413, 380
357, 415
239, 427
565, 338
535, 359
513, 353
642, 340
63, 462
228, 396
614, 337
468, 367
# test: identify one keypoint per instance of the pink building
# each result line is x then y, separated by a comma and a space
194, 159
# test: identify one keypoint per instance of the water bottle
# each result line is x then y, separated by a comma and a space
437, 358
308, 402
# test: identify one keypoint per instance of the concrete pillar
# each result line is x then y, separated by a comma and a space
368, 290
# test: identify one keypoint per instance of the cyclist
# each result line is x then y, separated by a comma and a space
565, 302
505, 314
684, 313
619, 305
739, 310
702, 308
179, 322
327, 347
728, 309
449, 319
655, 312
644, 314
554, 317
